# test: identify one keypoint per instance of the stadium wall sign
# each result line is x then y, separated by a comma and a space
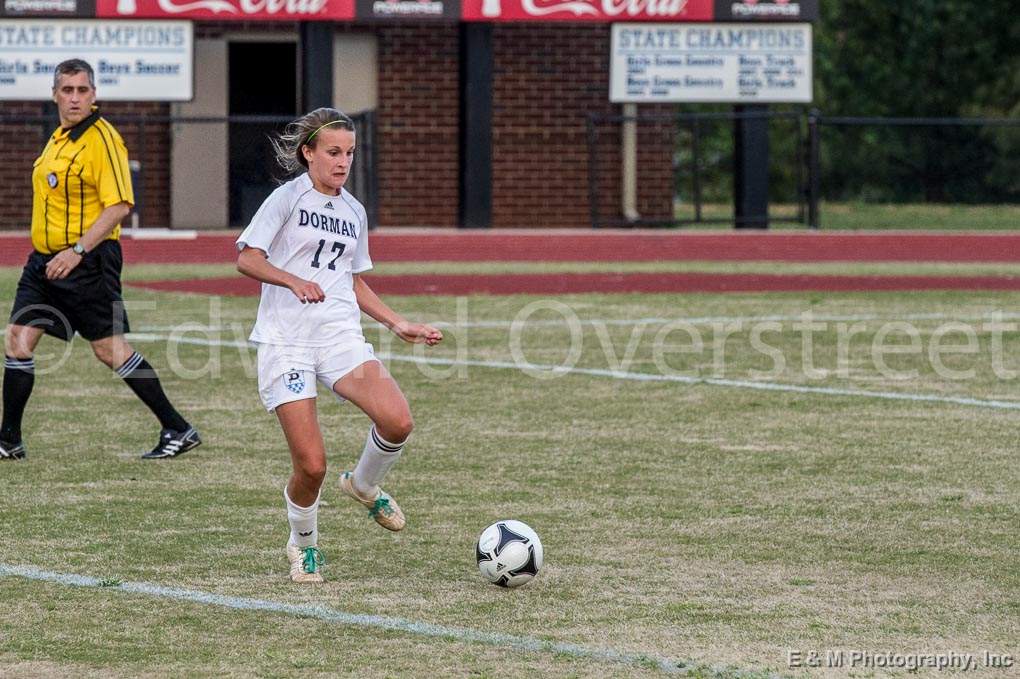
449, 10
47, 8
442, 10
715, 62
227, 10
766, 10
133, 60
587, 10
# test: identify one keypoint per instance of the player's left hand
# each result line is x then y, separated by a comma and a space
418, 333
62, 264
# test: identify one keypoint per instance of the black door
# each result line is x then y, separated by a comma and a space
262, 82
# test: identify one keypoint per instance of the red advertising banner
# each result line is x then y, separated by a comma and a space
227, 10
587, 10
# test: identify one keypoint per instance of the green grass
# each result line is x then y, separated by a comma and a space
719, 524
840, 216
146, 272
882, 216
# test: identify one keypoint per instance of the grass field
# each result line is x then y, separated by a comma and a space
775, 488
881, 216
142, 272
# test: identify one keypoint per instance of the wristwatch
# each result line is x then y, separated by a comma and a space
78, 249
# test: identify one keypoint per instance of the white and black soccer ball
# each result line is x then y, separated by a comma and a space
509, 553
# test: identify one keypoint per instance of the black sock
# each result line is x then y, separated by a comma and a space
142, 379
19, 376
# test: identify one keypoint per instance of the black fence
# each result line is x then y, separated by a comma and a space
968, 161
248, 159
681, 168
812, 158
698, 157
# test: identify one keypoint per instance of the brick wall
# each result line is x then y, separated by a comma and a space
217, 29
21, 143
149, 143
417, 125
656, 139
546, 79
656, 142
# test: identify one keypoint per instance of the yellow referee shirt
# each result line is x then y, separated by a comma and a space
82, 171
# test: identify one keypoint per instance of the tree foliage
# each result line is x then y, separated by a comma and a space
928, 58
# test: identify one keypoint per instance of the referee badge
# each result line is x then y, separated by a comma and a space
51, 179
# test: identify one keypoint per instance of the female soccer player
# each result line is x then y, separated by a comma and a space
308, 245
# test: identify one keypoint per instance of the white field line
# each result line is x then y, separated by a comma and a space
693, 320
332, 615
639, 377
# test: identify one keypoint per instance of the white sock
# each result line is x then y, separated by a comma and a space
304, 522
377, 458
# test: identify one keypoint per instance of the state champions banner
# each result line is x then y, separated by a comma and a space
133, 60
229, 10
587, 10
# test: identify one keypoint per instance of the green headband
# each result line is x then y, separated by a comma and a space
332, 122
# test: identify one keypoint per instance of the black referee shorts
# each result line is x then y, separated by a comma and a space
87, 301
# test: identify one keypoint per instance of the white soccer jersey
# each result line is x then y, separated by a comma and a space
319, 238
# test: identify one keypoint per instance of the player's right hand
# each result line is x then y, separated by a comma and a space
307, 292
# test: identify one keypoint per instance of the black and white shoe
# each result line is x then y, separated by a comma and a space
173, 443
12, 451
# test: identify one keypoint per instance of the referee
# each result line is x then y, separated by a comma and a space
81, 191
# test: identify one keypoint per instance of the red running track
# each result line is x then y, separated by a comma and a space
394, 245
559, 283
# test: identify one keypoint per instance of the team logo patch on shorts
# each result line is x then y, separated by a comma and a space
294, 381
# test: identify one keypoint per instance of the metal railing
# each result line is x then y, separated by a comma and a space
925, 169
809, 162
700, 160
684, 163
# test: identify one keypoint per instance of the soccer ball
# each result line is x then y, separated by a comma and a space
509, 553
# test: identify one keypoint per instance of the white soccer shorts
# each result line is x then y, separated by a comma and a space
290, 373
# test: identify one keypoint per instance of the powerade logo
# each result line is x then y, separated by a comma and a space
40, 7
752, 8
448, 10
414, 8
802, 10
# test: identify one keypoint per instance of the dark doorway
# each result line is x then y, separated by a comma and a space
263, 81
